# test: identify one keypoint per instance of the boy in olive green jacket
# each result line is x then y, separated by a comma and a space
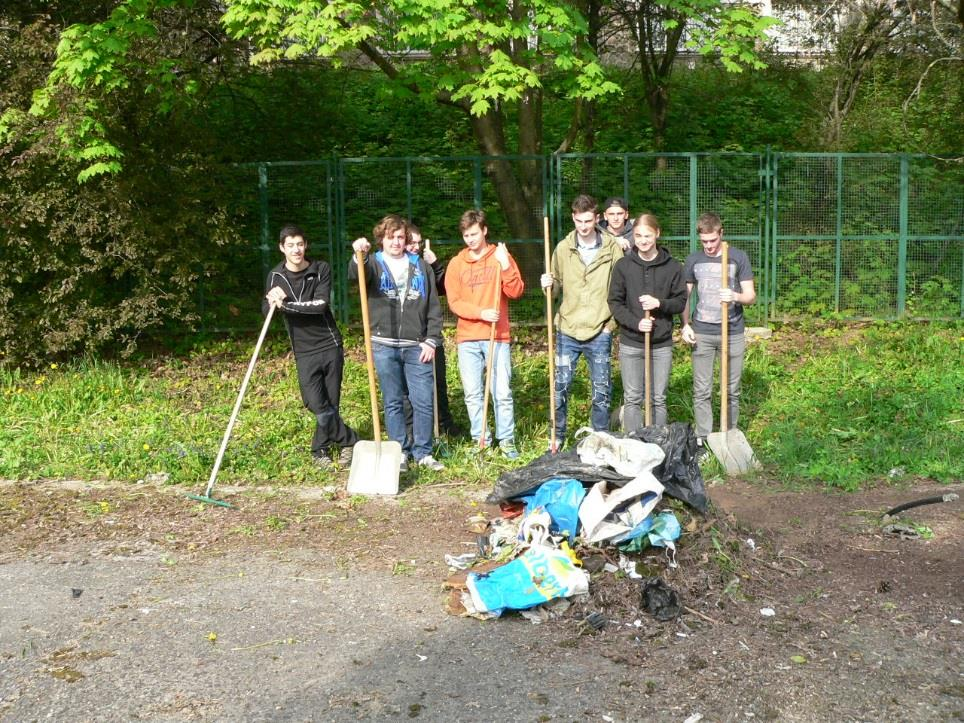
582, 266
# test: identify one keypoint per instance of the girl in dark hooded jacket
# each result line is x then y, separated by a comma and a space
646, 279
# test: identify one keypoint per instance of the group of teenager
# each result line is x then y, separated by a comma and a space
609, 273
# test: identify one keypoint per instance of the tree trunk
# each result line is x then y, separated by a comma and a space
510, 189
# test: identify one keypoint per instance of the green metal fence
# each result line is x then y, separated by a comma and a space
865, 236
850, 236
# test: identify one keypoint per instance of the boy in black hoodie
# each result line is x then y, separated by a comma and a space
646, 279
301, 289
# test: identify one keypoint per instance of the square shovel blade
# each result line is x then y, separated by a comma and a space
733, 451
374, 468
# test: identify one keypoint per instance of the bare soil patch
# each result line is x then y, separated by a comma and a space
865, 625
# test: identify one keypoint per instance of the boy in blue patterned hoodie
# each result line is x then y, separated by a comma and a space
406, 328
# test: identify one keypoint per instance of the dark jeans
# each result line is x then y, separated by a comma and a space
319, 378
445, 421
400, 371
598, 353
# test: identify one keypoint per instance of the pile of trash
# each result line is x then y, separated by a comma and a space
605, 494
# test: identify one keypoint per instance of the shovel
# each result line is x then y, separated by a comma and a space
729, 445
206, 497
374, 465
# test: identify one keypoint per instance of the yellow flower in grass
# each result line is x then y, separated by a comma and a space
146, 446
53, 365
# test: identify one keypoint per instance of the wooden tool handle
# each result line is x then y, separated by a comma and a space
725, 341
488, 364
369, 357
237, 403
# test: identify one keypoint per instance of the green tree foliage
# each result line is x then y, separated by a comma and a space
95, 266
660, 29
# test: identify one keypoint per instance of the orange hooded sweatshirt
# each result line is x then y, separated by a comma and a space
470, 287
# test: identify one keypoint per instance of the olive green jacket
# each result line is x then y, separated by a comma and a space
584, 311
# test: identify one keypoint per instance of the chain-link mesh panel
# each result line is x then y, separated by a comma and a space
805, 213
935, 197
868, 279
870, 200
806, 276
934, 278
434, 192
228, 296
839, 243
806, 192
835, 221
661, 185
935, 267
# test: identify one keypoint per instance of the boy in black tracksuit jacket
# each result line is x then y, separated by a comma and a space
301, 289
640, 284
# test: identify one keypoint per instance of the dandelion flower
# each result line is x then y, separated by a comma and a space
146, 446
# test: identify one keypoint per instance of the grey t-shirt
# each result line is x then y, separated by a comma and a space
704, 272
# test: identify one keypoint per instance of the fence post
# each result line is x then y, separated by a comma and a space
838, 260
774, 212
408, 190
340, 239
625, 180
902, 239
263, 203
765, 232
694, 190
478, 182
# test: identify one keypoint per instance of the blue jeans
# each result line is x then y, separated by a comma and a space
399, 369
598, 353
473, 356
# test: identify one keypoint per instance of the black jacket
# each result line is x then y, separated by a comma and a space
662, 278
307, 308
419, 319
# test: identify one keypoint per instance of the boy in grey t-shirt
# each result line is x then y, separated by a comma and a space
702, 271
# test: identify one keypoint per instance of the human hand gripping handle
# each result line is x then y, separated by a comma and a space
502, 255
546, 281
276, 297
361, 244
427, 353
428, 254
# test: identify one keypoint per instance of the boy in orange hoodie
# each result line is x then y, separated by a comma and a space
475, 298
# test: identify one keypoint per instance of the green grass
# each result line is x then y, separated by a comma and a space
833, 405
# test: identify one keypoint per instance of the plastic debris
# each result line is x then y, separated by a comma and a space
660, 600
561, 498
634, 501
767, 612
538, 575
461, 562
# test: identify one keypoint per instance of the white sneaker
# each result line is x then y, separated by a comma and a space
429, 462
